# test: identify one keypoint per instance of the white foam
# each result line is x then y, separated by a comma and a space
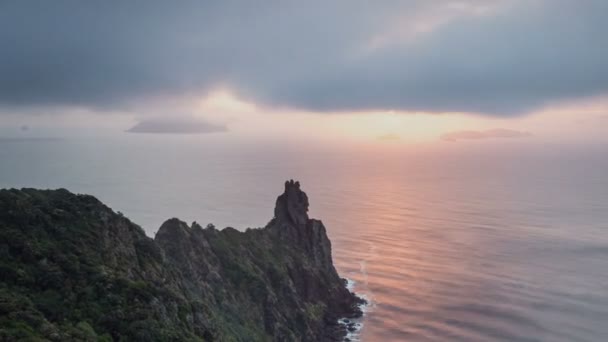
350, 284
358, 322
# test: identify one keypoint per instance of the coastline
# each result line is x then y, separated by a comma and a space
354, 326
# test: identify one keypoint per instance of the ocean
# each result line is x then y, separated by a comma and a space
465, 241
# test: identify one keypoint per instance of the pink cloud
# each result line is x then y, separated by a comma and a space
487, 134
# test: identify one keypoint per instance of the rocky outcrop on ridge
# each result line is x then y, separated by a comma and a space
73, 269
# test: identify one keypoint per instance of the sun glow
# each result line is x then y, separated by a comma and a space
225, 101
395, 126
254, 120
249, 119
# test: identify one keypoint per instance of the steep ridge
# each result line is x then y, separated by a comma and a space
72, 269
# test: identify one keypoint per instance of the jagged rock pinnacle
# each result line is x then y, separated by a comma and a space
292, 205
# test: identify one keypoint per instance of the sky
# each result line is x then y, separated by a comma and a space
450, 71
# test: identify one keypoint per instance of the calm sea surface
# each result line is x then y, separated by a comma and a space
453, 242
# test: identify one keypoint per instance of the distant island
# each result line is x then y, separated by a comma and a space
71, 269
176, 125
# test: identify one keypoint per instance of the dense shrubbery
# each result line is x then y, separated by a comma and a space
55, 279
73, 270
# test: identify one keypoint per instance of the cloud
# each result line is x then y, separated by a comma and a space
495, 57
388, 137
489, 134
176, 125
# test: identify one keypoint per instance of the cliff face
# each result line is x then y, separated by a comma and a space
72, 269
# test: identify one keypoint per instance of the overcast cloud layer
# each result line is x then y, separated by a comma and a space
493, 57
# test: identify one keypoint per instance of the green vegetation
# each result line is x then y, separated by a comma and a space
60, 280
73, 270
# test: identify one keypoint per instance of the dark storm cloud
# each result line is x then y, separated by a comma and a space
308, 55
94, 53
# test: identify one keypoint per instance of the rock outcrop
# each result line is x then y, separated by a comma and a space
72, 269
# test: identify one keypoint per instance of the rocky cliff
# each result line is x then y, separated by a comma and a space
72, 269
